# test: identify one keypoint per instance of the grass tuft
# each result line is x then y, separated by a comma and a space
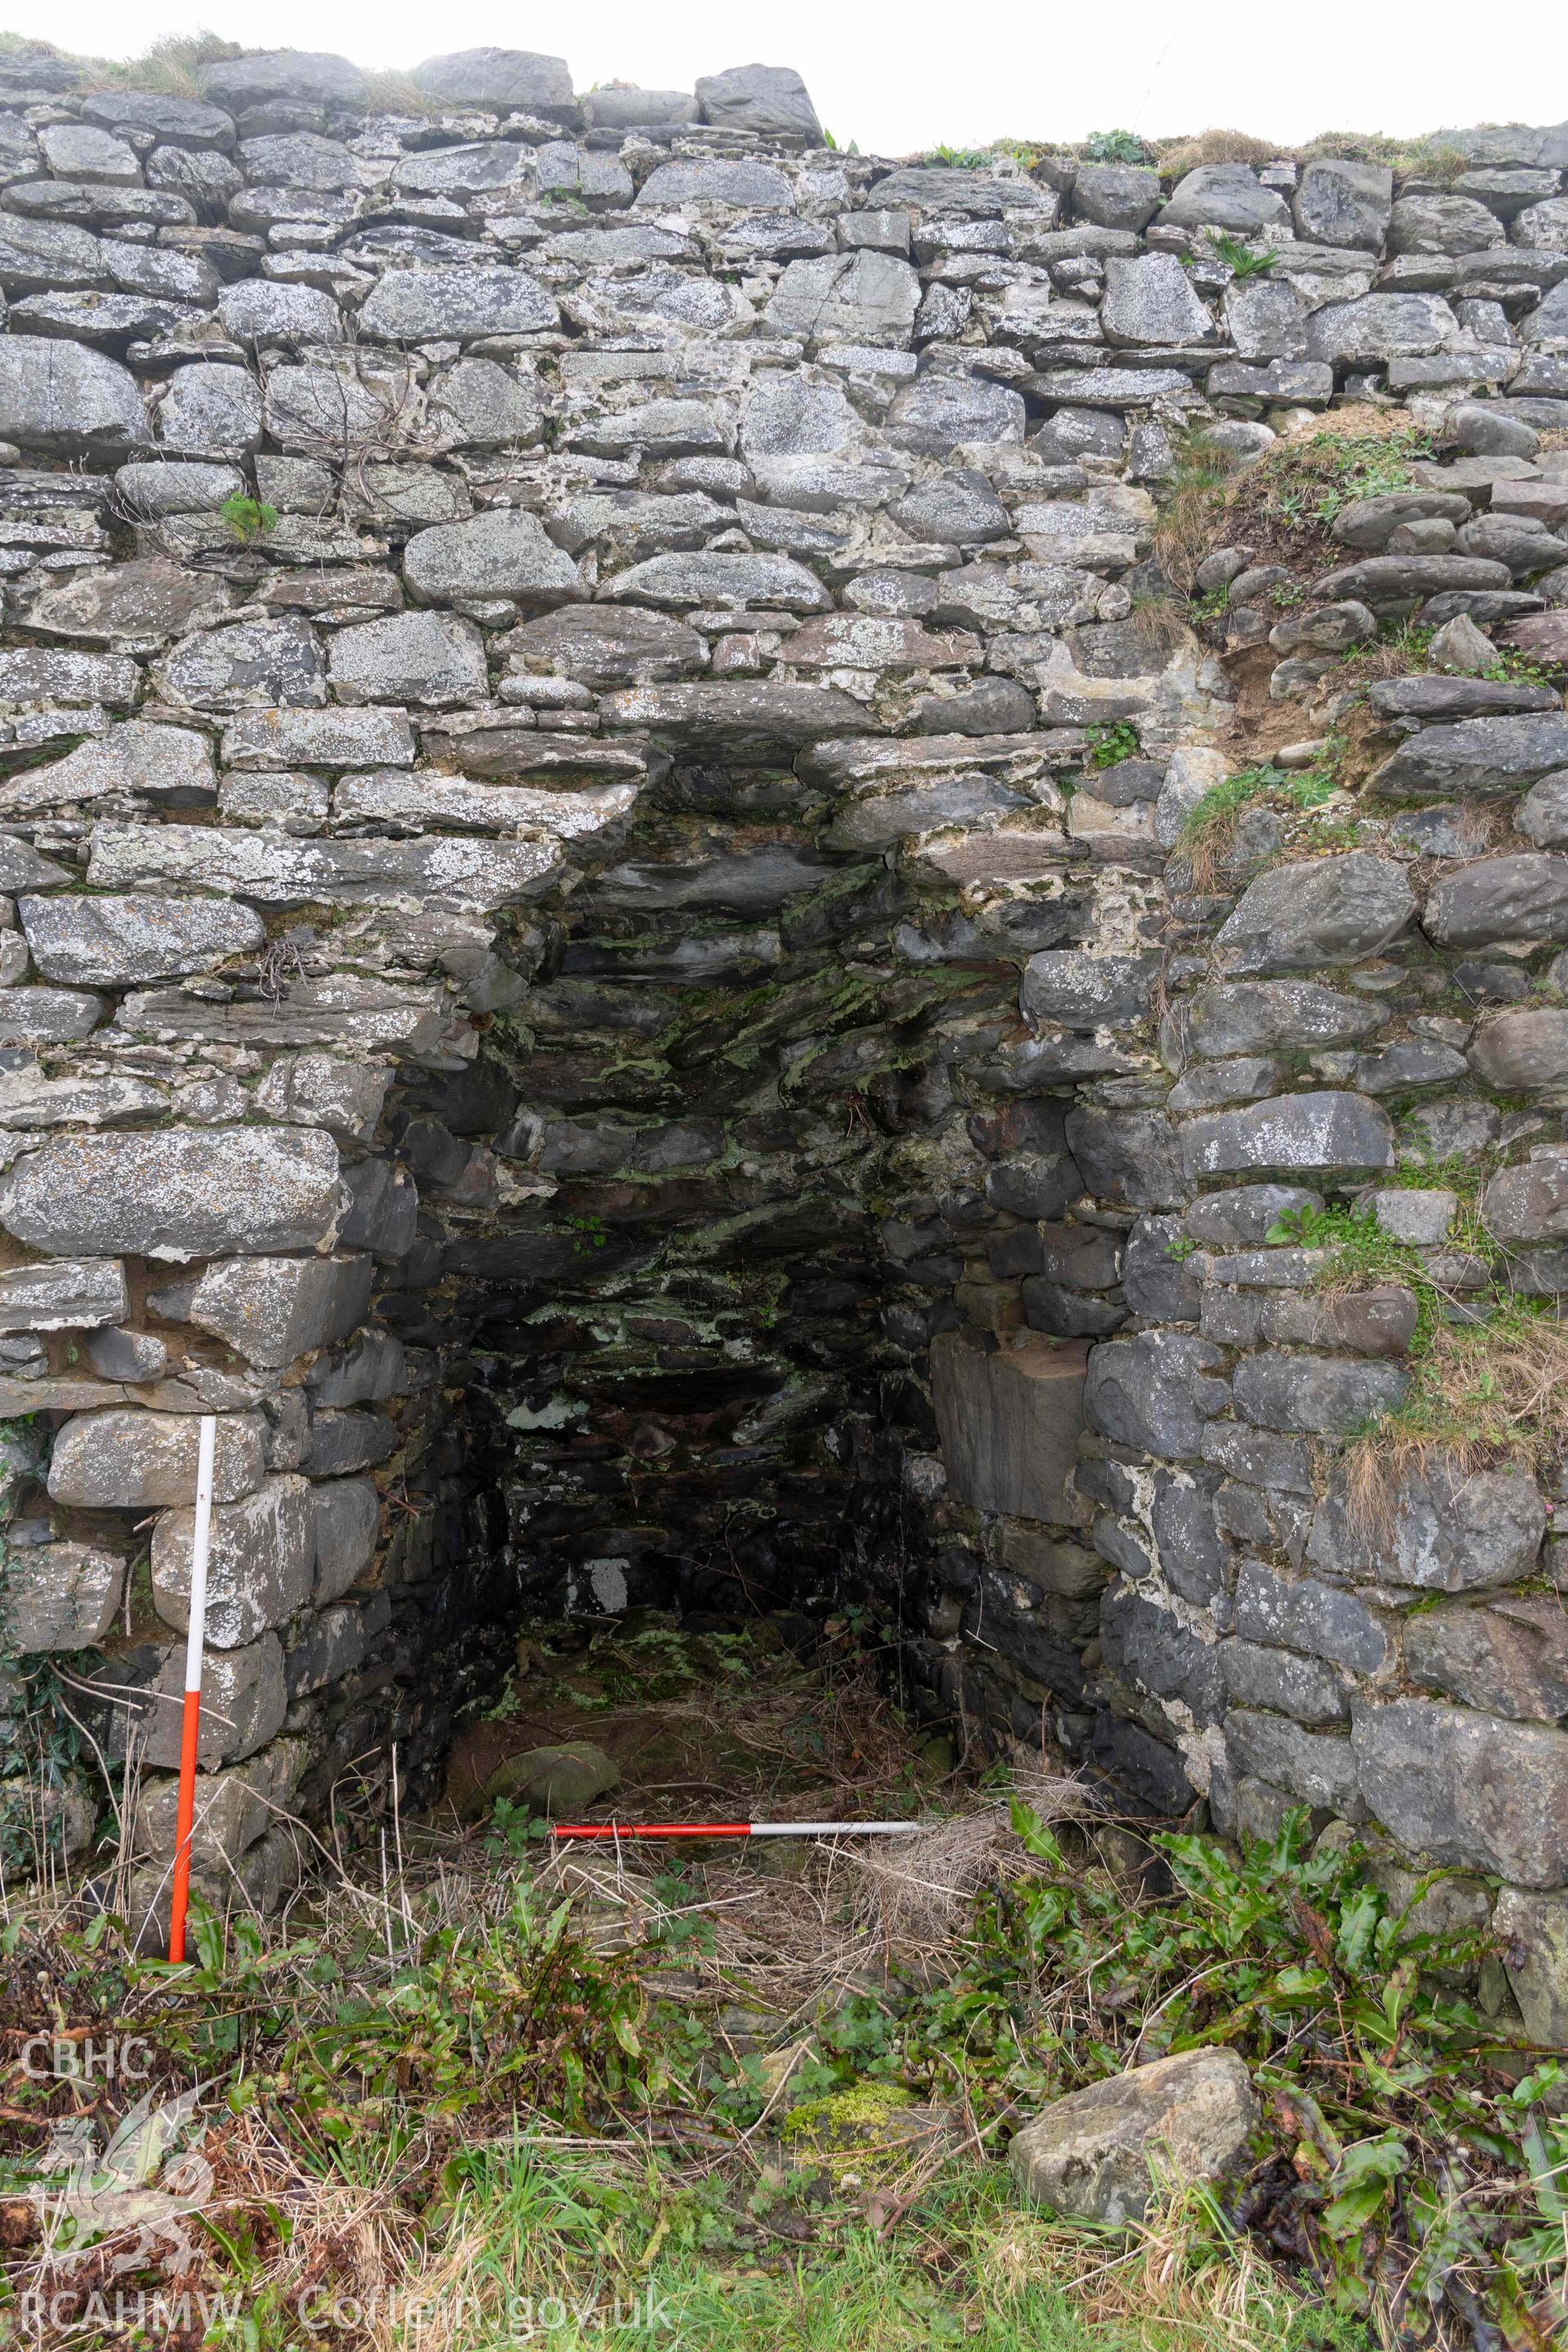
1208, 836
1309, 481
1483, 1395
1178, 156
1191, 506
171, 66
1488, 1366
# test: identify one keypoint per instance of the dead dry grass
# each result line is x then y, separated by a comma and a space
1176, 156
806, 1926
1185, 528
1483, 1395
1176, 2280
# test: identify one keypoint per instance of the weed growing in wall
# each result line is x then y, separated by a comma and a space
1115, 147
1310, 481
1209, 832
1241, 259
248, 518
1109, 745
1488, 1364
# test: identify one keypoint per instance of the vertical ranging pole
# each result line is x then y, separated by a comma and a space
191, 1725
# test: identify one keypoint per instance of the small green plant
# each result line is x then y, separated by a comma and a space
1302, 484
1242, 260
959, 159
514, 1827
1514, 668
977, 159
1115, 147
1321, 835
248, 518
591, 1235
1109, 745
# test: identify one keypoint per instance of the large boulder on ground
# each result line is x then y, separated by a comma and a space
555, 1779
1099, 2154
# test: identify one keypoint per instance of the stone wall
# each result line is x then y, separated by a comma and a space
601, 955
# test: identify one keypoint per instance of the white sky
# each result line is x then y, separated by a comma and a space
898, 78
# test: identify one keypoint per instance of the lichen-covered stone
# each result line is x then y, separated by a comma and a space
1477, 755
1226, 197
409, 658
1154, 1391
760, 99
272, 1309
725, 581
504, 554
415, 306
1096, 2155
441, 870
125, 1459
244, 1702
261, 1569
111, 942
1327, 1133
1317, 1768
1332, 910
866, 298
170, 765
1343, 202
177, 1192
1465, 1788
62, 1295
347, 1519
523, 80
60, 1596
1303, 1613
1532, 1930
1511, 1659
68, 400
1254, 1016
1130, 1158
1323, 1395
211, 411
1520, 897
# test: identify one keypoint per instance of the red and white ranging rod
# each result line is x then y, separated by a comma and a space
190, 1729
609, 1832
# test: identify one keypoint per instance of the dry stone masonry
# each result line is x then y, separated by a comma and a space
580, 967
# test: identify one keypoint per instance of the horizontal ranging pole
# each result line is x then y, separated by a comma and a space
607, 1830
